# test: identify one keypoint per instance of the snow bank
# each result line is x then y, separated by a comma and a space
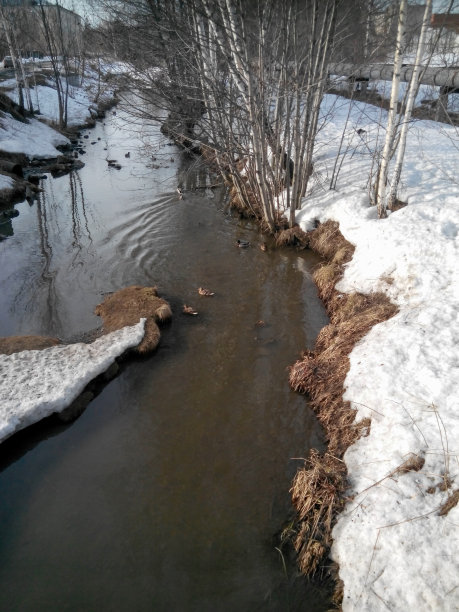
34, 139
6, 182
45, 101
394, 549
34, 384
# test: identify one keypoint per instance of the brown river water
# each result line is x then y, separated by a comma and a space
169, 490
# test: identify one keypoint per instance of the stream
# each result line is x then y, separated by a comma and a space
167, 494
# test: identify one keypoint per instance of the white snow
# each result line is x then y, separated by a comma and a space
44, 99
35, 384
394, 550
34, 139
6, 182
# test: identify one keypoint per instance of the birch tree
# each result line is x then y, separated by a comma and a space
9, 18
412, 92
391, 128
252, 73
56, 49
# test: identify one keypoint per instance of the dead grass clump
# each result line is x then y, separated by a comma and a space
293, 236
367, 310
16, 344
128, 306
450, 503
343, 255
316, 493
326, 277
319, 486
328, 241
245, 202
414, 463
398, 205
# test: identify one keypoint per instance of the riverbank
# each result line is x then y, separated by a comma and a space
34, 144
396, 533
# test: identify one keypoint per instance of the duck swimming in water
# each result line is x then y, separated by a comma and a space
206, 292
242, 244
189, 310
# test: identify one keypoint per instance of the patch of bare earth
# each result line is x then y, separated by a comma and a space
127, 306
319, 487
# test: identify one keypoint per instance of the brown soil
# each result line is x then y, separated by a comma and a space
16, 344
318, 490
128, 306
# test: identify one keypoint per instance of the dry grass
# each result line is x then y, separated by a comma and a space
128, 306
316, 493
319, 486
326, 277
16, 344
452, 501
293, 236
398, 204
327, 241
245, 204
414, 463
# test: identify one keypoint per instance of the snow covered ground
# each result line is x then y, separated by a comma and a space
80, 105
6, 182
35, 384
45, 102
34, 139
396, 551
427, 94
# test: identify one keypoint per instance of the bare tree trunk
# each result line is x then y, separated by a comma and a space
412, 92
21, 79
52, 48
391, 127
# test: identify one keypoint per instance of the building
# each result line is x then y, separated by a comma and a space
41, 27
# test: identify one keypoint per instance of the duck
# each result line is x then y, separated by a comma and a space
206, 292
189, 310
242, 244
128, 154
